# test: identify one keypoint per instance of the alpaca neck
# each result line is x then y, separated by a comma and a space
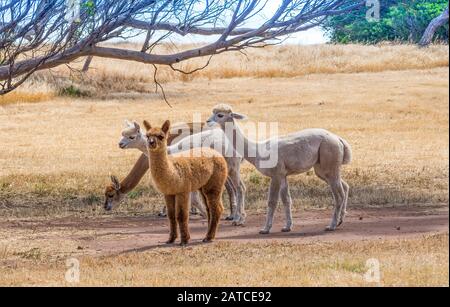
136, 174
143, 145
160, 165
250, 148
145, 152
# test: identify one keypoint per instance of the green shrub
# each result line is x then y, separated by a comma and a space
400, 20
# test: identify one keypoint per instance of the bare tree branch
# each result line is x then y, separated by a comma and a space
35, 34
158, 85
191, 71
87, 63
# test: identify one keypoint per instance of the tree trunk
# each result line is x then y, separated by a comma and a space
87, 63
435, 24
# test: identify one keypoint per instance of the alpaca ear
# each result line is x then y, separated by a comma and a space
128, 123
115, 182
166, 126
238, 116
136, 126
147, 125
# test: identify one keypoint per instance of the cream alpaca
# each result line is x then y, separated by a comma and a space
297, 153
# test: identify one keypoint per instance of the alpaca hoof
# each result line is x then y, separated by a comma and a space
229, 218
238, 221
286, 229
170, 241
161, 214
264, 231
330, 228
207, 240
341, 218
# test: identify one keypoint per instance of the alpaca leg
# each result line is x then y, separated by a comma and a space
287, 203
205, 201
170, 204
231, 191
182, 213
319, 170
344, 205
239, 217
214, 199
242, 199
342, 195
207, 207
339, 196
240, 192
197, 204
274, 196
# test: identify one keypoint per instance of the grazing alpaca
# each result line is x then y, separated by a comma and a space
297, 153
132, 137
205, 170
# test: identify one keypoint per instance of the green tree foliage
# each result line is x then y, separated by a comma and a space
400, 20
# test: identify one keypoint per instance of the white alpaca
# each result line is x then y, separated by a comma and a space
296, 153
133, 137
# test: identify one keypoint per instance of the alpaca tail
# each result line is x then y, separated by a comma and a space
347, 152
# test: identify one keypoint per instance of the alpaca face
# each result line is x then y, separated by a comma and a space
113, 196
223, 114
132, 137
219, 118
157, 137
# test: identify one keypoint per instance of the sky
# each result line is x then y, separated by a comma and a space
312, 36
309, 37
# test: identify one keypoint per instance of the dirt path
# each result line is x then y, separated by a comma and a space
113, 234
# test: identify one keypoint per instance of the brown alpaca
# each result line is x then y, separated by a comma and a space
176, 176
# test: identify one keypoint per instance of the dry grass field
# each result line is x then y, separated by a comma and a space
419, 261
59, 137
